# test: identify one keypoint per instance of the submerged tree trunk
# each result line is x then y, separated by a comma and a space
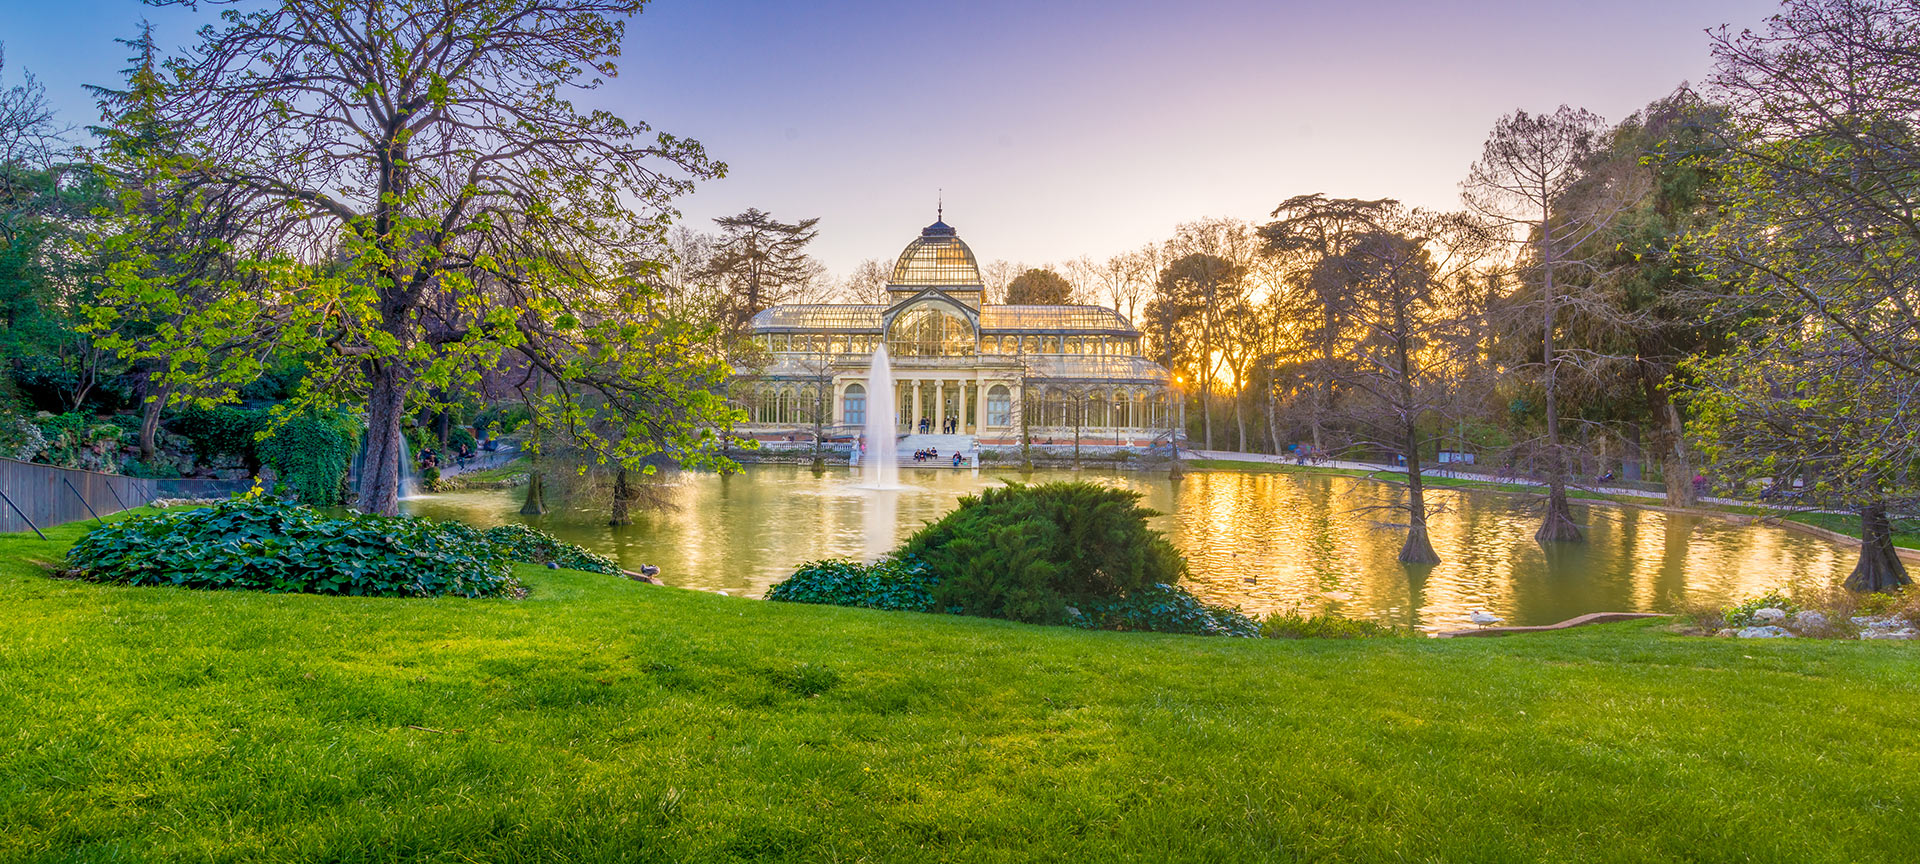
1880, 567
1557, 526
623, 495
536, 495
1418, 548
380, 470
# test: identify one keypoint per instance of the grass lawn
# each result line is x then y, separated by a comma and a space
604, 720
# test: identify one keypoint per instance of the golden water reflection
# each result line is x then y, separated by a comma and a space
1266, 542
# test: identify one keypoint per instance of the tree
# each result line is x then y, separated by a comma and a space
1208, 277
1400, 290
1307, 230
761, 261
1039, 287
1529, 163
422, 201
1639, 307
868, 282
1814, 189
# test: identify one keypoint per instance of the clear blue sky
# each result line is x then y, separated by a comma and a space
1061, 128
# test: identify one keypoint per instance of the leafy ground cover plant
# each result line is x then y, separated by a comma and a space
520, 543
261, 544
890, 583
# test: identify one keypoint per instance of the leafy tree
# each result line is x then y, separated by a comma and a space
1039, 287
424, 206
1814, 190
760, 261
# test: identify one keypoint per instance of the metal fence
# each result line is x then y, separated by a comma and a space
35, 496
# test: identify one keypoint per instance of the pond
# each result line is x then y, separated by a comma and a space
1264, 541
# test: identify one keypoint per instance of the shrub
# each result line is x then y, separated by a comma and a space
520, 543
1162, 609
311, 453
1293, 625
1742, 615
265, 545
223, 434
1026, 552
890, 583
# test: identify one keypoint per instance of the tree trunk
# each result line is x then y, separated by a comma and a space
536, 495
1240, 410
1418, 548
1880, 567
150, 422
622, 500
1273, 425
1557, 526
380, 470
1630, 457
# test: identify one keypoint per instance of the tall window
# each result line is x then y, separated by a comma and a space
999, 406
930, 330
854, 405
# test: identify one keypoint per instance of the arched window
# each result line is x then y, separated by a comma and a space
999, 406
854, 405
930, 329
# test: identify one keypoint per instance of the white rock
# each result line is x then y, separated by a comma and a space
1808, 619
1769, 614
1907, 633
1766, 632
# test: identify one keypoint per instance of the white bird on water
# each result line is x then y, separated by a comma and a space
1483, 618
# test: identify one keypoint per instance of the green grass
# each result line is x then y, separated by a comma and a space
496, 474
604, 720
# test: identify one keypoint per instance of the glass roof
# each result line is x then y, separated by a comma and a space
820, 318
938, 257
1054, 319
1081, 367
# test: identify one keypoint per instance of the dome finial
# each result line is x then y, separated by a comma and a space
940, 206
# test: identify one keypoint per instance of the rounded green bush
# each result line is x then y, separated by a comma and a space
1027, 553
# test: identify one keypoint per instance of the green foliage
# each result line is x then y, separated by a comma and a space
311, 453
77, 440
1026, 552
222, 434
265, 545
1742, 615
1293, 625
1162, 609
890, 583
520, 543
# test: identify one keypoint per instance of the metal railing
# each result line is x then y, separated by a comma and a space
35, 496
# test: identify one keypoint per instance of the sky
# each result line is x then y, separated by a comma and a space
1058, 129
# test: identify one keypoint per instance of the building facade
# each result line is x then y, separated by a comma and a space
961, 365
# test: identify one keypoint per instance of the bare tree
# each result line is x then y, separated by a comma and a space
1529, 163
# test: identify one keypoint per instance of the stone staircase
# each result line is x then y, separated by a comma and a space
947, 445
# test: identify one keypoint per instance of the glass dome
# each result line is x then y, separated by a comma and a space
938, 258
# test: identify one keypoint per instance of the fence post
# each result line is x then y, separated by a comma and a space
22, 514
116, 495
83, 500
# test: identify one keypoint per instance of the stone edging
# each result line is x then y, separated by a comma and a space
1589, 618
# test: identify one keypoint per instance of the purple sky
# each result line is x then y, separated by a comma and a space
1061, 128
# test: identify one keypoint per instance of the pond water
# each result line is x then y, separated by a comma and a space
1264, 541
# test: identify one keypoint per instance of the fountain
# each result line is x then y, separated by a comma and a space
881, 463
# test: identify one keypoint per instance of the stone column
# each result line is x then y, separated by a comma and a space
937, 422
913, 421
837, 409
1017, 419
979, 406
